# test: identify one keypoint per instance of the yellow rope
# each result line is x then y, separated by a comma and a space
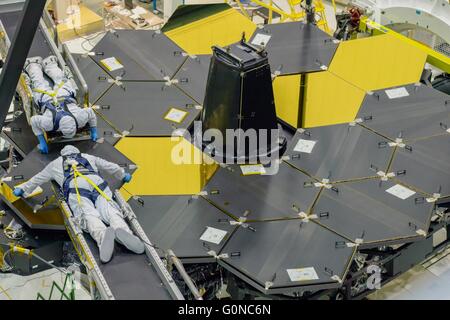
52, 94
77, 174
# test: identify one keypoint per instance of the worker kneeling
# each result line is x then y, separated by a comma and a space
89, 198
58, 107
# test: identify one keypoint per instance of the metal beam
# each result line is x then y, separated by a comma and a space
21, 43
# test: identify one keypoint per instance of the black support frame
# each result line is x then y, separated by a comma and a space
23, 38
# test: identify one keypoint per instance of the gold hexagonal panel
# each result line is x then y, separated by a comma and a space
166, 166
329, 99
197, 30
378, 62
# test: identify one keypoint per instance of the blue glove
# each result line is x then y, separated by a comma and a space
127, 178
94, 135
18, 192
42, 144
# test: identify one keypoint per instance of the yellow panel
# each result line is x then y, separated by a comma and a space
87, 22
7, 192
378, 62
166, 166
330, 100
220, 29
286, 90
47, 217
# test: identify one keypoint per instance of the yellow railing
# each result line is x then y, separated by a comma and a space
434, 58
295, 12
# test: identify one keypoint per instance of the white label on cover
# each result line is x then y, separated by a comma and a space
112, 64
302, 274
397, 93
176, 115
213, 235
305, 146
261, 39
253, 169
400, 191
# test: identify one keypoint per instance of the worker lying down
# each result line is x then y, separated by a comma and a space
89, 198
58, 108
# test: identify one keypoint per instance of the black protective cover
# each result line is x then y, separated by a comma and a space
262, 254
193, 75
178, 222
423, 113
296, 47
262, 197
364, 210
97, 79
426, 166
141, 107
239, 95
146, 55
341, 152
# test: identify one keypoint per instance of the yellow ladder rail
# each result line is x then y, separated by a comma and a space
293, 14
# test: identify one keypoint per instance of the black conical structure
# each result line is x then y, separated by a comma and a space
239, 95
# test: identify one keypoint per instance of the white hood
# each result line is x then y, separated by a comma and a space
69, 150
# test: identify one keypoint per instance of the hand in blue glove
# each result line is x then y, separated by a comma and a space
127, 178
94, 135
18, 192
42, 144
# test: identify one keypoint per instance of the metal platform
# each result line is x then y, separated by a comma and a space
140, 108
32, 210
193, 75
296, 47
144, 55
261, 197
130, 276
339, 153
426, 166
19, 134
365, 212
288, 256
180, 223
413, 112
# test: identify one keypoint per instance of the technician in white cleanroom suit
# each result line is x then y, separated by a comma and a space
94, 209
59, 110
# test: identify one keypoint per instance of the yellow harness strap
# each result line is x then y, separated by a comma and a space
77, 174
52, 94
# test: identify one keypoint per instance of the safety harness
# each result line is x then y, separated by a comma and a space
76, 166
58, 107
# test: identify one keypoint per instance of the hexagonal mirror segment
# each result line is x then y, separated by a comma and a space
296, 47
190, 226
406, 113
339, 153
374, 212
425, 165
147, 108
246, 194
288, 256
193, 75
97, 79
138, 55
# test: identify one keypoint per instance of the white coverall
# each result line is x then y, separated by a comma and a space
93, 216
44, 122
